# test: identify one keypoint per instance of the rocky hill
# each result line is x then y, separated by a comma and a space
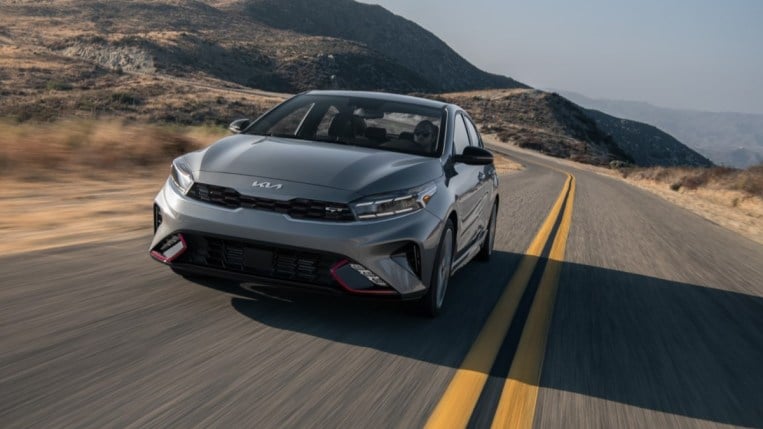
540, 121
647, 145
553, 125
395, 37
728, 138
284, 45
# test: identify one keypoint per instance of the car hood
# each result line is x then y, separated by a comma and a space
357, 169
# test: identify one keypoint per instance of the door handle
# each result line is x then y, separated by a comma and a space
481, 176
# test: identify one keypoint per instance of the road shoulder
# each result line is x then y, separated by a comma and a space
746, 218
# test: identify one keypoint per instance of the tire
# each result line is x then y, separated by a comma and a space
487, 246
430, 305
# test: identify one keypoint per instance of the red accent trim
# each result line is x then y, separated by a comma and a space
347, 288
161, 258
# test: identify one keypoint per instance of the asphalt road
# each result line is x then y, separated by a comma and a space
658, 322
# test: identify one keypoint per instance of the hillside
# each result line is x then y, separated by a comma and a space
286, 46
733, 139
193, 62
541, 121
551, 124
41, 86
647, 145
371, 25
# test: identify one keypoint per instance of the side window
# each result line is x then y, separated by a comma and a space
474, 136
460, 136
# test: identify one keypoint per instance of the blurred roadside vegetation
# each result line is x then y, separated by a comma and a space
41, 150
749, 181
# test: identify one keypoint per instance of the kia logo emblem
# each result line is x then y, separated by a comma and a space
267, 185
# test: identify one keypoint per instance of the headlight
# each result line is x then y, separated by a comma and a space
394, 203
181, 176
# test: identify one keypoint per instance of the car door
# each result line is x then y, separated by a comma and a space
466, 185
486, 178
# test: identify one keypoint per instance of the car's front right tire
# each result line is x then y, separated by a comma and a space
487, 245
431, 304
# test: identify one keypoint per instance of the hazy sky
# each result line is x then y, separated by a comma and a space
697, 54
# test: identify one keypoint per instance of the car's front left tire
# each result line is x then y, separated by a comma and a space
431, 304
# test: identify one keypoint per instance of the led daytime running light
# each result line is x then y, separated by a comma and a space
181, 175
385, 206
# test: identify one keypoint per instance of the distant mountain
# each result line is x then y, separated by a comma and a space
551, 124
733, 139
645, 144
283, 45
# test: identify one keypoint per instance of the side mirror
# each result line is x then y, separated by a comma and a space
239, 125
474, 155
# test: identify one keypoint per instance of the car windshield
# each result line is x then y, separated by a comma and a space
359, 121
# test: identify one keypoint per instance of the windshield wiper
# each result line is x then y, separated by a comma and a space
330, 140
315, 139
285, 135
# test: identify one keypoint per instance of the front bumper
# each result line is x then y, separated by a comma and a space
319, 253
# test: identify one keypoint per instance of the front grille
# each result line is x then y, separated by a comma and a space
260, 259
298, 208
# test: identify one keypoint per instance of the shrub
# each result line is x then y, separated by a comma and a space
750, 181
695, 181
57, 85
126, 98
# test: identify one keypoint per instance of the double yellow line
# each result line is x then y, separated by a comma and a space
516, 407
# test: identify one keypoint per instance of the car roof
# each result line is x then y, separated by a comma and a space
399, 98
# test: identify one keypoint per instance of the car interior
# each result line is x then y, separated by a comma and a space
352, 128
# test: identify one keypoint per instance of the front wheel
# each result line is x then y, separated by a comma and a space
487, 246
431, 303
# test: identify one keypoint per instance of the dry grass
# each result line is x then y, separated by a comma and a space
76, 181
748, 181
729, 197
505, 165
736, 210
43, 150
74, 210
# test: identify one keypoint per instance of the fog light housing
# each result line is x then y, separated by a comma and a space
170, 248
365, 272
357, 279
